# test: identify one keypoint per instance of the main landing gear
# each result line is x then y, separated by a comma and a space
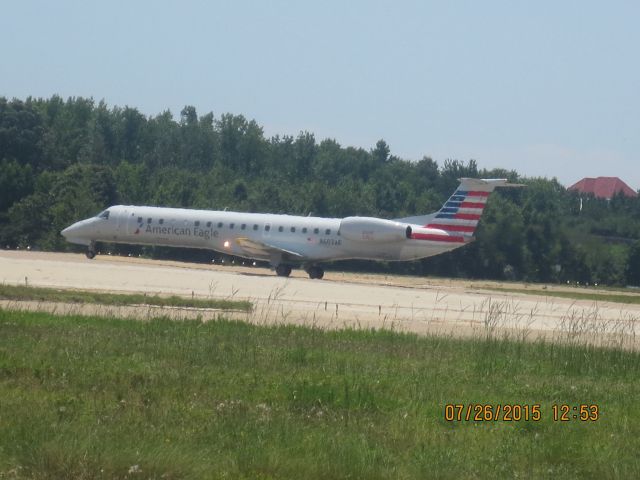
315, 272
283, 270
91, 251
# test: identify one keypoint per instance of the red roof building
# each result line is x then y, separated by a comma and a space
603, 187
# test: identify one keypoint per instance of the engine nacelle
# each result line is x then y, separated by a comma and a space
367, 229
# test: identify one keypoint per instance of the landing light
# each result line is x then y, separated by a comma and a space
226, 244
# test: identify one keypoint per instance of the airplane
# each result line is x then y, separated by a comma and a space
286, 240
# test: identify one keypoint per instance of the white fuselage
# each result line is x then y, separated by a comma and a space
275, 238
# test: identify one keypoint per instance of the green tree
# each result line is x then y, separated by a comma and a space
381, 152
632, 271
542, 228
16, 181
500, 241
21, 132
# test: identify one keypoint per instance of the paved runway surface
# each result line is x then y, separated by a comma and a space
339, 300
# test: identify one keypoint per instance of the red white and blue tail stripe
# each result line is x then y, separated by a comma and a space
462, 212
458, 218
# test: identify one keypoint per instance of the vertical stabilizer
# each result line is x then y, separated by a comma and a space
461, 213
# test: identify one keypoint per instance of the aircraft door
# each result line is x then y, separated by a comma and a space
130, 225
122, 225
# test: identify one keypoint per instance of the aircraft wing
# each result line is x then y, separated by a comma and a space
258, 249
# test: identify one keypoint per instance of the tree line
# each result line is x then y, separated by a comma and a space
63, 160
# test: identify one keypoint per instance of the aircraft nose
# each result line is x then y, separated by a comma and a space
81, 232
70, 230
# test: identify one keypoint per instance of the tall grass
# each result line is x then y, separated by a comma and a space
43, 294
89, 397
626, 297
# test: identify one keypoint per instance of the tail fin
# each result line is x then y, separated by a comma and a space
461, 213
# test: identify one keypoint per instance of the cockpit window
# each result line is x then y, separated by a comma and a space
104, 215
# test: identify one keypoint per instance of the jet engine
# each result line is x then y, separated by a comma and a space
367, 229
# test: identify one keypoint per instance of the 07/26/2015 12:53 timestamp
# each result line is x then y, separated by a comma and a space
515, 412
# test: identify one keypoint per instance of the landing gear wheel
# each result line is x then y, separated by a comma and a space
315, 273
283, 270
91, 251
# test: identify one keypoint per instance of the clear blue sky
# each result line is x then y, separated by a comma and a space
549, 88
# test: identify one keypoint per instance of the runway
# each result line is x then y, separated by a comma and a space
341, 300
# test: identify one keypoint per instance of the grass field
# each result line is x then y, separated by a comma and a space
90, 397
40, 294
627, 298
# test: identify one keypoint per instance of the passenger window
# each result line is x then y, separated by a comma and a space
219, 224
148, 220
267, 228
139, 219
316, 230
243, 226
293, 229
327, 231
197, 223
304, 229
161, 221
208, 224
338, 233
281, 229
255, 227
231, 225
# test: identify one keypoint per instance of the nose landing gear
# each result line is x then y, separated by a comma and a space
91, 251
